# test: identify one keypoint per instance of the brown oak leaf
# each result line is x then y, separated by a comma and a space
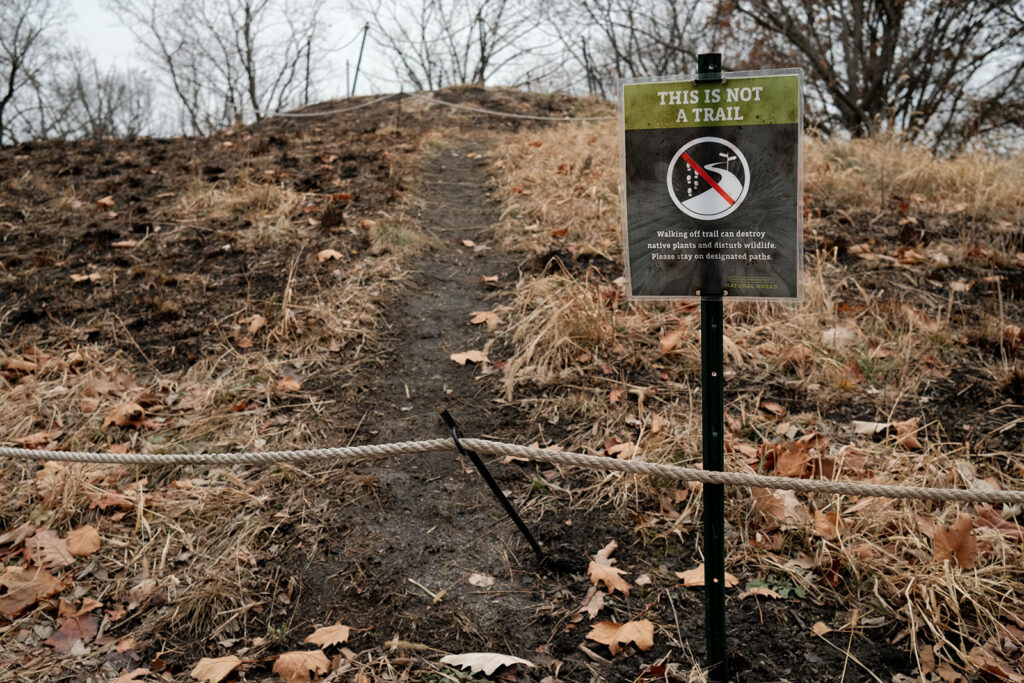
214, 670
956, 543
639, 632
329, 635
301, 665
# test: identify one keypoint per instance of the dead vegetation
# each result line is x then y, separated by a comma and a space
897, 367
227, 295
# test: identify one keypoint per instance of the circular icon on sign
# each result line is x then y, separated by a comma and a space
708, 178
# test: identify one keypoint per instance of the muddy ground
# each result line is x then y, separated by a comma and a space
400, 538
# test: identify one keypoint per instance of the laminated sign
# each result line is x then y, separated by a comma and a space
713, 186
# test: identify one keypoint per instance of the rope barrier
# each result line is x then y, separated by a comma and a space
536, 454
331, 112
510, 115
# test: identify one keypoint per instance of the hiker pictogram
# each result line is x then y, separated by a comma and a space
708, 178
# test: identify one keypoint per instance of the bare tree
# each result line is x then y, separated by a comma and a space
24, 29
97, 104
910, 66
229, 61
434, 43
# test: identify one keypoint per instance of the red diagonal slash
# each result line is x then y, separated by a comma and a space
704, 174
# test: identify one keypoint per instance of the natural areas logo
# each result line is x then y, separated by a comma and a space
708, 178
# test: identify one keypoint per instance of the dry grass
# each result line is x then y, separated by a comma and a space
182, 547
269, 209
609, 369
561, 179
871, 174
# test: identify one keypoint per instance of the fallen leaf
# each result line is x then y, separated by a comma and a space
468, 243
773, 407
489, 278
986, 517
593, 602
481, 580
624, 451
601, 570
83, 541
604, 555
489, 317
25, 586
826, 524
956, 543
790, 460
671, 341
20, 365
37, 439
325, 636
126, 415
869, 428
484, 662
126, 644
132, 676
989, 663
328, 255
89, 405
75, 631
784, 506
640, 633
298, 665
820, 628
256, 323
105, 202
906, 433
48, 550
695, 577
464, 357
214, 670
17, 534
289, 384
760, 591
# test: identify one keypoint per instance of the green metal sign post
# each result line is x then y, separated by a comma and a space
712, 210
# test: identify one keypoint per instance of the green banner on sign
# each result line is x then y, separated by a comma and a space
737, 102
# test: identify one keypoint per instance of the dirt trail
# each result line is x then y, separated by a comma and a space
431, 519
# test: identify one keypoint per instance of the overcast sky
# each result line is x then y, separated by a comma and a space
113, 45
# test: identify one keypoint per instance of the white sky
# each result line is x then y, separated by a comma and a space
99, 31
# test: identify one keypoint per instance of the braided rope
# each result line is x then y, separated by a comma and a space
331, 112
252, 458
744, 479
509, 114
537, 454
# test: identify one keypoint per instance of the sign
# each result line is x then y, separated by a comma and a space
712, 192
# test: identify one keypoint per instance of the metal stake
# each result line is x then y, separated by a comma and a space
714, 494
709, 70
359, 62
457, 435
